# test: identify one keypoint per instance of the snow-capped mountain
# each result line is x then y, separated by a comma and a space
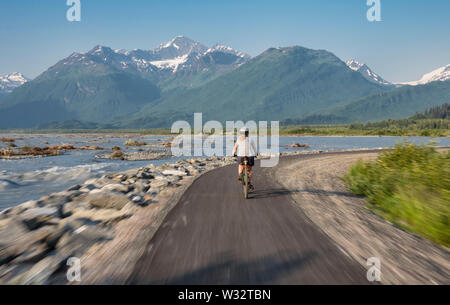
442, 74
179, 58
367, 72
11, 81
228, 50
178, 47
182, 54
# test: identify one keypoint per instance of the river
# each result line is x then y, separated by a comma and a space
30, 179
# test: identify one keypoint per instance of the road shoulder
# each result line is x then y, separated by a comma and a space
318, 190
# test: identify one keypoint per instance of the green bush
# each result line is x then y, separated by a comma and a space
410, 186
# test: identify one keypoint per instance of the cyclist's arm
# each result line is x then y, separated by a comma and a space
254, 148
235, 149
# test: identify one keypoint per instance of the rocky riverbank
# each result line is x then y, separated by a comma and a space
38, 237
13, 152
136, 156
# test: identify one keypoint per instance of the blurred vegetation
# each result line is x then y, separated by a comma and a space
410, 186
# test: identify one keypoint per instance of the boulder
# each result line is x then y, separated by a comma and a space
192, 170
11, 230
87, 188
144, 175
137, 199
39, 217
55, 235
69, 208
56, 200
174, 173
29, 205
141, 187
107, 200
153, 191
297, 145
105, 215
159, 183
32, 255
19, 245
173, 179
41, 272
74, 188
117, 187
120, 178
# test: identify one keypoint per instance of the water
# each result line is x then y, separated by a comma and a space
30, 179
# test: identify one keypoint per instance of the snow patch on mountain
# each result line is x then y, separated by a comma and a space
172, 64
354, 65
11, 81
226, 49
439, 75
366, 72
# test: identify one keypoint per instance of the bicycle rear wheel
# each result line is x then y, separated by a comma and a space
245, 183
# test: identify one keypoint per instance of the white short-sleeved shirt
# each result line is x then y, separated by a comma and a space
245, 147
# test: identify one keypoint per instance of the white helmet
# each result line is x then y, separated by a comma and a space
244, 130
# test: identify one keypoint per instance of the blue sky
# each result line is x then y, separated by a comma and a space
412, 39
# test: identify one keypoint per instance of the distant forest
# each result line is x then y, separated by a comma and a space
438, 112
434, 118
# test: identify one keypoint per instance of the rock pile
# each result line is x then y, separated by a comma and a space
136, 156
38, 237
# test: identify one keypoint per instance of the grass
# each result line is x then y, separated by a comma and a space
363, 130
410, 186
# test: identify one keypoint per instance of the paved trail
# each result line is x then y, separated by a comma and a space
214, 236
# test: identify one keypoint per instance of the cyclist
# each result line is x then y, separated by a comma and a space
245, 147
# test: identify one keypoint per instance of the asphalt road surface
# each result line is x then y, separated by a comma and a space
214, 236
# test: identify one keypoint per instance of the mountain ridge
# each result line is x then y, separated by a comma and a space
154, 88
367, 72
273, 85
399, 103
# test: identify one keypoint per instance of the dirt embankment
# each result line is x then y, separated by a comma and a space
318, 190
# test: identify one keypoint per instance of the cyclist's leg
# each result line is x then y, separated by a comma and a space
240, 168
250, 170
251, 164
250, 178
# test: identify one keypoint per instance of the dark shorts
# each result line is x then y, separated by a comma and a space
251, 160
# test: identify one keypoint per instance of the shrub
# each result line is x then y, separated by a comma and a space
135, 143
410, 186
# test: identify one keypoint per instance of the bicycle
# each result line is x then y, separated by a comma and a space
245, 178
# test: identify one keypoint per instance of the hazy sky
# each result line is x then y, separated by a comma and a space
412, 39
